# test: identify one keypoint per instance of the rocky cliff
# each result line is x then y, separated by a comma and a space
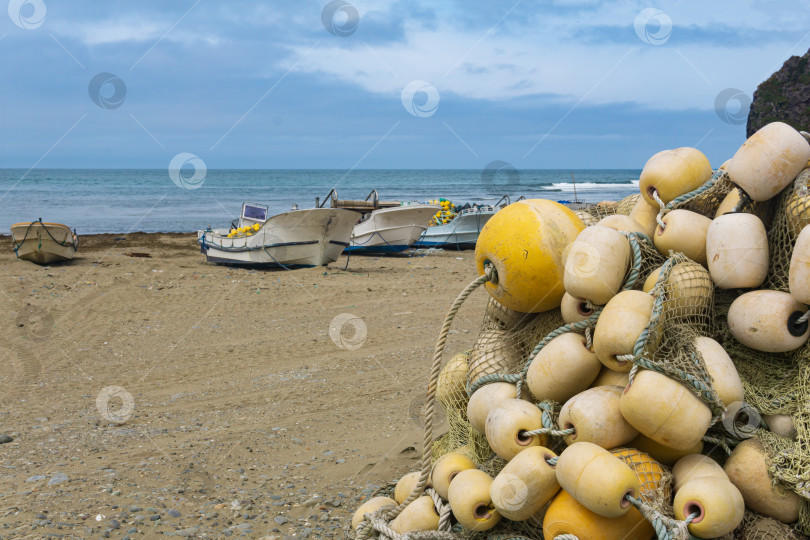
784, 97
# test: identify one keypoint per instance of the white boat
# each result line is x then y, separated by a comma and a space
44, 243
391, 230
462, 232
297, 238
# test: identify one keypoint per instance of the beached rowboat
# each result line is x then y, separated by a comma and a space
391, 230
43, 242
463, 230
312, 237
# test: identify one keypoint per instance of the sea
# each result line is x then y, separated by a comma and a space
122, 201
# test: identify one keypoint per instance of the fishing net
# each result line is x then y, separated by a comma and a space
758, 527
591, 214
686, 306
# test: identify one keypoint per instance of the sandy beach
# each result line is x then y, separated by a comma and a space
245, 417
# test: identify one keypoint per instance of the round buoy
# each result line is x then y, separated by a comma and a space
524, 243
799, 274
420, 515
596, 264
684, 232
716, 501
619, 326
737, 251
369, 507
595, 417
446, 469
525, 484
485, 399
563, 368
507, 426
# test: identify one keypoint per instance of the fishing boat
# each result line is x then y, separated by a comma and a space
43, 242
385, 226
462, 231
299, 238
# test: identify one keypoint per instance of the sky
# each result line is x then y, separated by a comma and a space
383, 84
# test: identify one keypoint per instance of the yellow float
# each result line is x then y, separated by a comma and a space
563, 368
420, 515
716, 501
507, 426
672, 173
684, 232
470, 501
619, 326
524, 242
525, 484
596, 264
769, 160
747, 468
595, 416
665, 410
597, 479
768, 321
446, 469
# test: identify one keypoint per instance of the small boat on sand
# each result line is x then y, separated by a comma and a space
385, 226
43, 242
313, 237
462, 231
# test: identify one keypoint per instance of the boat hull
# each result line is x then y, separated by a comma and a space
44, 243
461, 233
391, 230
302, 238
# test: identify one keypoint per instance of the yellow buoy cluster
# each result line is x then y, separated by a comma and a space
596, 440
247, 230
445, 215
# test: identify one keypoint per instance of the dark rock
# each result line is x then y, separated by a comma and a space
5, 439
783, 97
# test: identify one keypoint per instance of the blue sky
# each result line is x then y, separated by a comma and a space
242, 84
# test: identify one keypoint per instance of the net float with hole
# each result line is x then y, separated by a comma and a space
684, 232
596, 264
470, 501
695, 466
371, 506
486, 398
621, 223
781, 424
524, 243
729, 203
688, 287
525, 485
662, 454
595, 417
505, 318
406, 485
493, 352
563, 367
768, 321
645, 215
597, 479
507, 426
797, 206
737, 251
420, 515
799, 273
716, 504
747, 468
446, 469
720, 367
608, 377
451, 387
620, 324
574, 310
665, 410
769, 160
650, 473
567, 516
672, 173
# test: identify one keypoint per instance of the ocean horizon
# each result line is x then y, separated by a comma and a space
122, 201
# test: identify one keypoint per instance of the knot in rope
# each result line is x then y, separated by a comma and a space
665, 527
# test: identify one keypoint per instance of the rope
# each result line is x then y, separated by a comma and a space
662, 211
665, 527
430, 404
444, 510
548, 407
804, 317
566, 537
719, 441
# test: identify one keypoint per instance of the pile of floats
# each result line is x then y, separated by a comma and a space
624, 440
